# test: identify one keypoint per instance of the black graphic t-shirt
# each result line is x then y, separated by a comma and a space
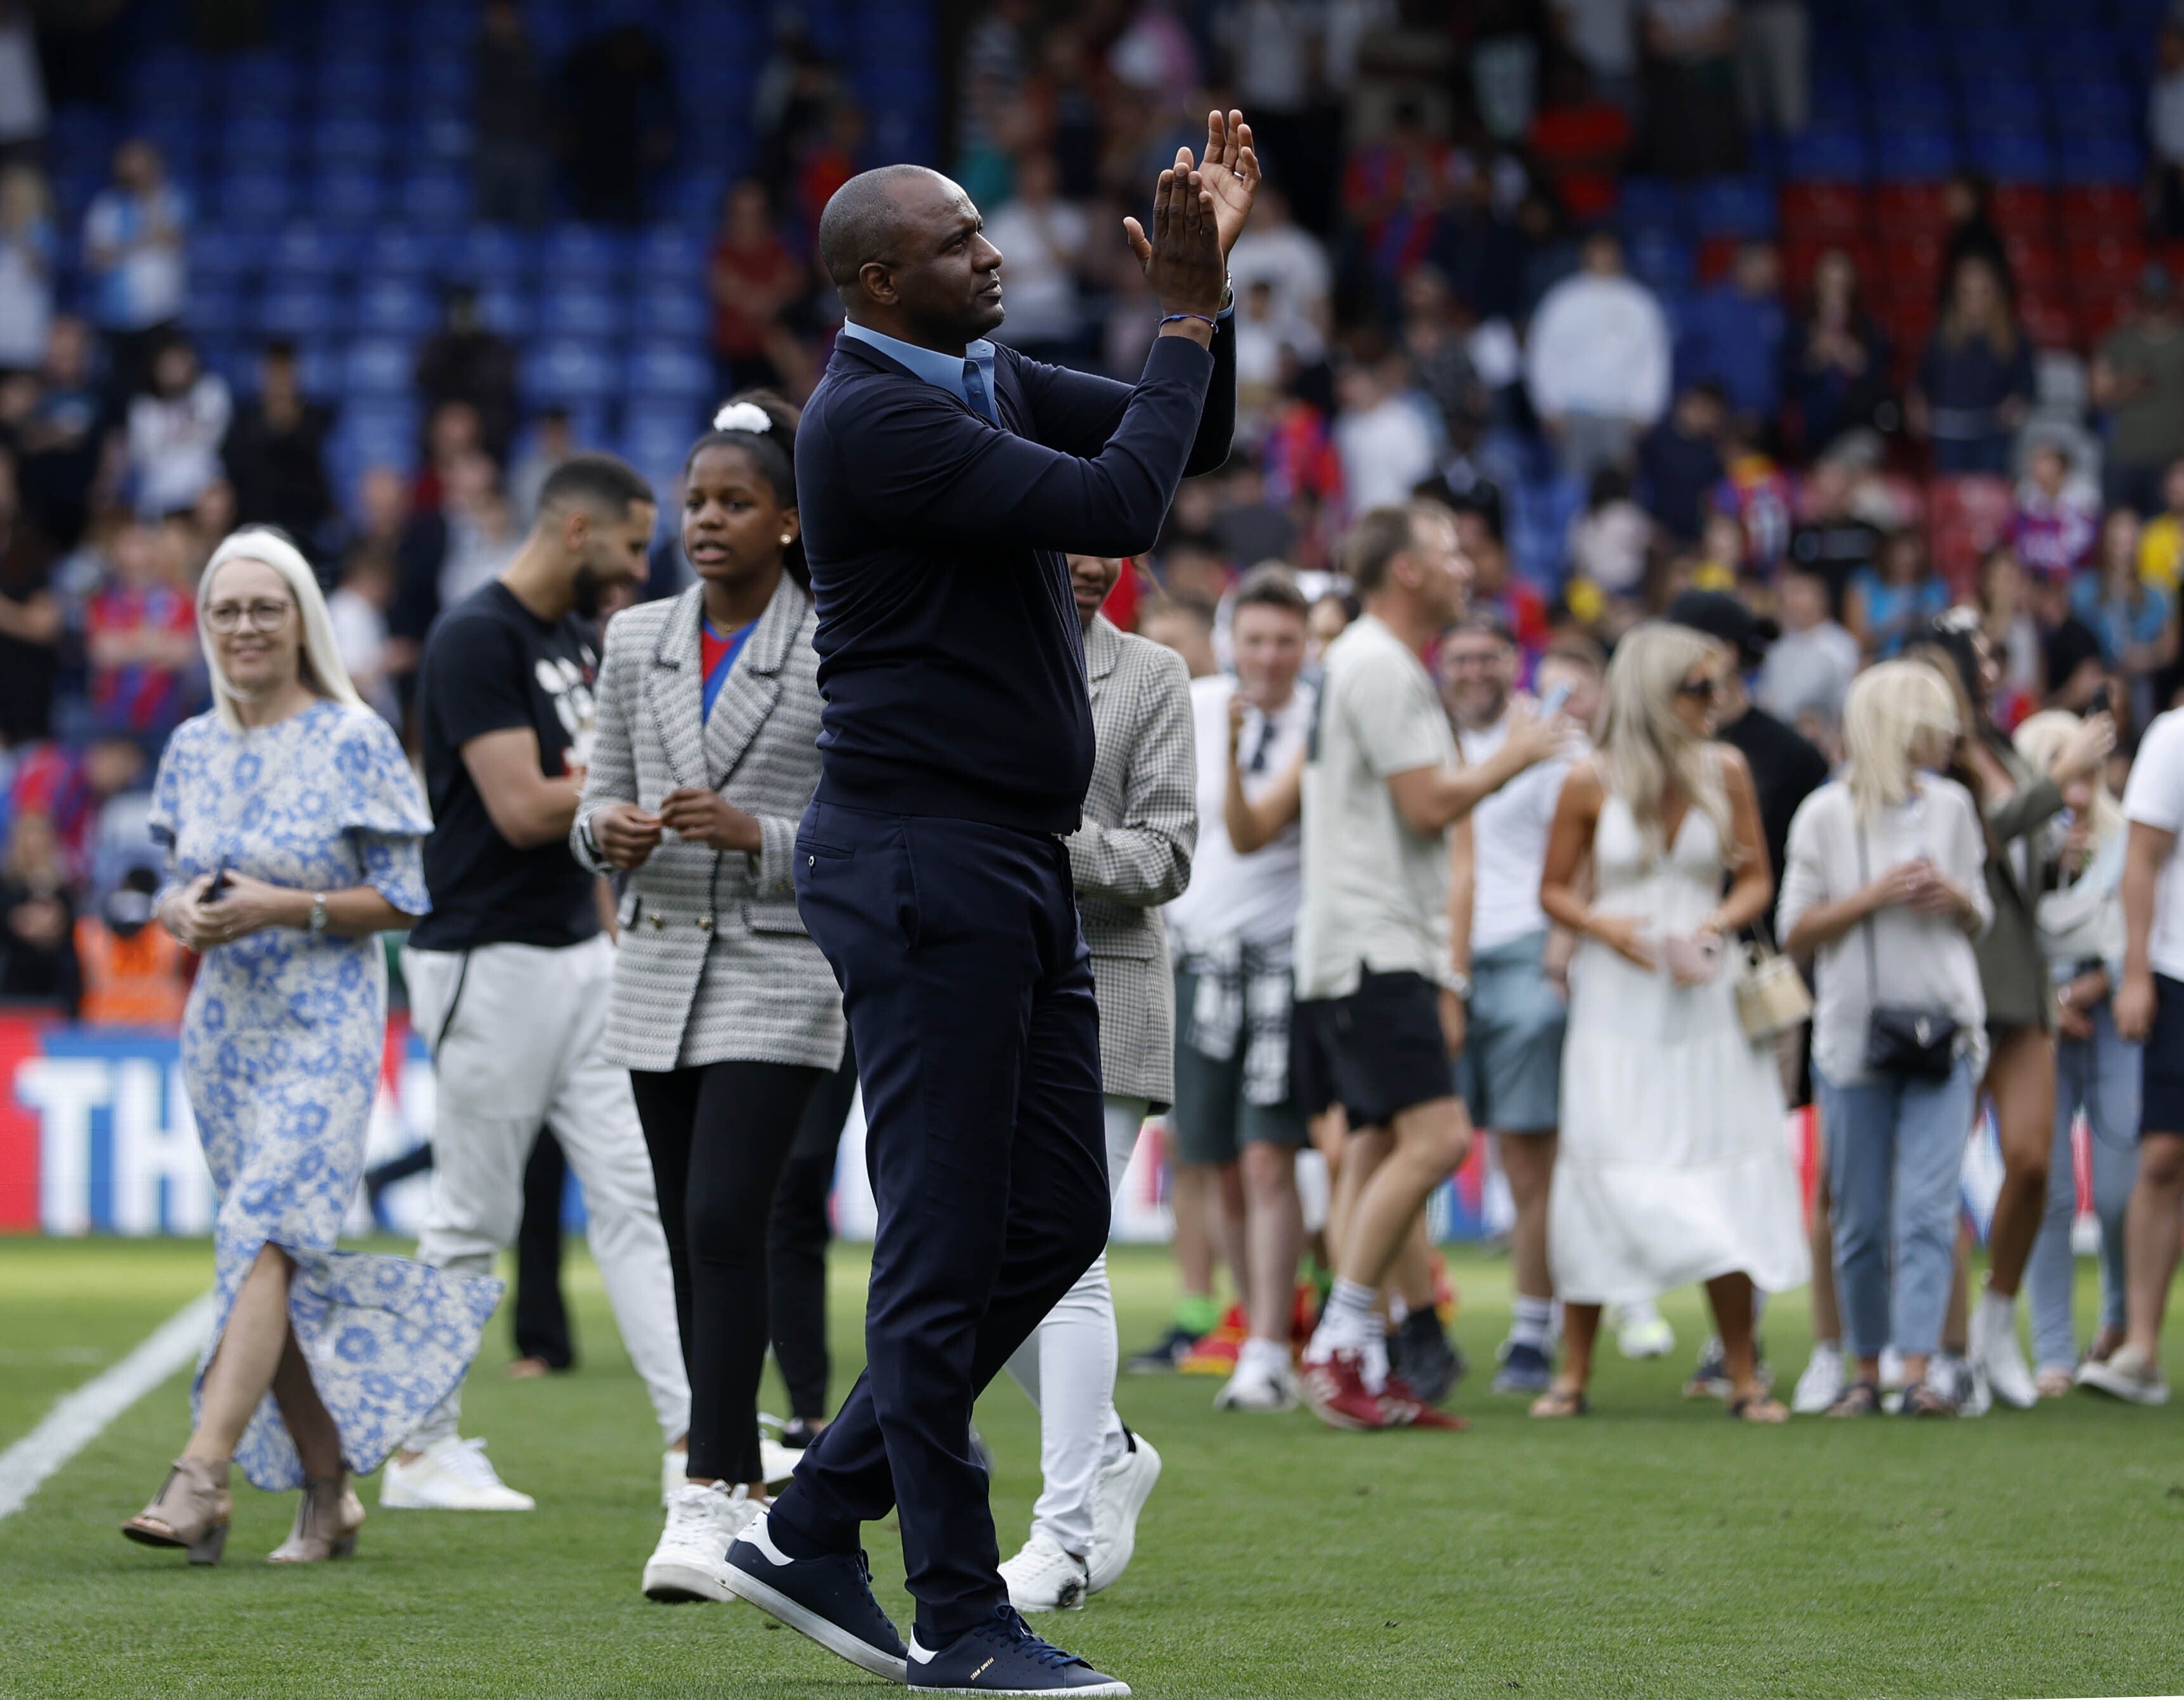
491, 664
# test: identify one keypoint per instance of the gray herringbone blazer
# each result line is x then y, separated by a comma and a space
713, 964
1133, 853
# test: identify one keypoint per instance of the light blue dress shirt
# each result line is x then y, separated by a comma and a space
943, 371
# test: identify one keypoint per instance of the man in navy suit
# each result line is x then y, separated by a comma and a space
941, 478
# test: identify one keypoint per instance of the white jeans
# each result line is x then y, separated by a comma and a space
520, 1051
1067, 1367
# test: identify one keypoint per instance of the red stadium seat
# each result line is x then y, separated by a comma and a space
2023, 209
1801, 256
2101, 209
1717, 253
1909, 209
2047, 318
1911, 262
1822, 210
1967, 517
2033, 261
2103, 306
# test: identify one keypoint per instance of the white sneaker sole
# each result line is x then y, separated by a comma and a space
1118, 1689
805, 1622
676, 1583
2096, 1377
394, 1498
1071, 1599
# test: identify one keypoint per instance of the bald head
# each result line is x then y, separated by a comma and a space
904, 248
866, 219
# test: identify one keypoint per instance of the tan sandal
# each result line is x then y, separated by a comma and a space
191, 1510
1757, 1406
1562, 1401
326, 1521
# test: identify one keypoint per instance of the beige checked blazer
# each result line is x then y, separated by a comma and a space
713, 964
1132, 852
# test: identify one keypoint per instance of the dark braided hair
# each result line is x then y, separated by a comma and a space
773, 453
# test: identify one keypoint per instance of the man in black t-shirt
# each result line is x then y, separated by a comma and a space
510, 974
1832, 542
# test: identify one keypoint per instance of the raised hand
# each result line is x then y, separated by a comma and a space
1230, 173
1183, 260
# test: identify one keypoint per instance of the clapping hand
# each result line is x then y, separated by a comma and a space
1230, 173
1183, 259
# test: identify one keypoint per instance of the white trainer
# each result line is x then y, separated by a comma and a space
1822, 1382
1044, 1577
778, 1462
1993, 1349
691, 1562
1260, 1384
453, 1474
1642, 1332
1123, 1487
2126, 1373
674, 1473
1892, 1370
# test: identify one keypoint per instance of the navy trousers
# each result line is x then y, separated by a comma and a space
970, 1005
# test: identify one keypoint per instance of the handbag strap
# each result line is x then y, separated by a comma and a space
1865, 926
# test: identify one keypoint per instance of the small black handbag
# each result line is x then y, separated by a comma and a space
1900, 1039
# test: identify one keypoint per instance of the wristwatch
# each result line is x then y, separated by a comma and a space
317, 923
1457, 982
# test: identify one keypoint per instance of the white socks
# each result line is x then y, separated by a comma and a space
1262, 1356
1348, 1320
1532, 1322
1997, 1311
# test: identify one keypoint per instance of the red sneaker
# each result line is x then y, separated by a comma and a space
1406, 1410
1334, 1388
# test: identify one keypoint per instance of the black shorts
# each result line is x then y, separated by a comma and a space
1384, 1047
1311, 1071
2161, 1096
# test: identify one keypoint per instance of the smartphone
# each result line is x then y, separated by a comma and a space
1552, 704
2099, 705
218, 888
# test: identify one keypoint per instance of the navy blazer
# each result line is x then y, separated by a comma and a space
950, 656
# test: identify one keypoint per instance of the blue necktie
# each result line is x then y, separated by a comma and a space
974, 390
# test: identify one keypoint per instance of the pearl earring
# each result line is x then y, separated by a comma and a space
787, 538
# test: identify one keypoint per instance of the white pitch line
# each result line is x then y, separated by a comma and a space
78, 1418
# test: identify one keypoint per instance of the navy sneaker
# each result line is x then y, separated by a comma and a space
1524, 1369
1001, 1656
1421, 1353
828, 1598
1170, 1350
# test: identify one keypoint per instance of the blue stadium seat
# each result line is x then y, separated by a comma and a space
1732, 206
214, 310
83, 134
2103, 106
666, 371
396, 307
264, 83
300, 310
350, 141
440, 138
2006, 108
378, 365
665, 253
567, 372
505, 308
254, 200
378, 433
2018, 159
2098, 160
576, 251
180, 137
308, 250
657, 436
440, 80
1981, 55
218, 251
574, 310
437, 200
1660, 260
398, 250
1828, 156
435, 24
347, 197
1916, 156
664, 310
264, 141
490, 253
350, 88
1650, 204
166, 81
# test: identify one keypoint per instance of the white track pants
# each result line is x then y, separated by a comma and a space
1067, 1367
516, 1031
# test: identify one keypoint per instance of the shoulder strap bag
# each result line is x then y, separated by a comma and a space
1902, 1039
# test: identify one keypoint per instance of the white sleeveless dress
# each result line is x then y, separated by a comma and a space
1672, 1167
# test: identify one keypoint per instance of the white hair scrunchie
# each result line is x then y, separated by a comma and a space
743, 416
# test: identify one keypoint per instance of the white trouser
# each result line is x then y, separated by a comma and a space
1067, 1367
520, 1052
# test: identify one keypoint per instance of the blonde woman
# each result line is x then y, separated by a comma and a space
2081, 919
1673, 1168
292, 825
1884, 881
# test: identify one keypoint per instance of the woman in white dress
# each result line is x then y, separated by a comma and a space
1672, 1167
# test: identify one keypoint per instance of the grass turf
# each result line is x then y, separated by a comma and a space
1650, 1548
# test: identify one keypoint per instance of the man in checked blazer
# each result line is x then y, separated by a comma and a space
1131, 855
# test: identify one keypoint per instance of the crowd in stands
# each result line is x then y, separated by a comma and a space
1457, 281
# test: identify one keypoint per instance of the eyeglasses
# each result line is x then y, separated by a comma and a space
1703, 690
260, 616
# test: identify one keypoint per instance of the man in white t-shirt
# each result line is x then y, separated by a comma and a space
1236, 1124
1374, 945
1513, 1061
1042, 238
1277, 250
2149, 1010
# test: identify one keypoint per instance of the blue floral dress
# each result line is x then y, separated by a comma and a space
281, 1045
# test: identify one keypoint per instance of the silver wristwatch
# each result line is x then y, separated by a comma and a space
317, 923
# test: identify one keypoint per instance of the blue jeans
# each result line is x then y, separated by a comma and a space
2100, 1075
1896, 1148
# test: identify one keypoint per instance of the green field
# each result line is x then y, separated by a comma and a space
1652, 1548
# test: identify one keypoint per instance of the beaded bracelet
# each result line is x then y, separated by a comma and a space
1178, 318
